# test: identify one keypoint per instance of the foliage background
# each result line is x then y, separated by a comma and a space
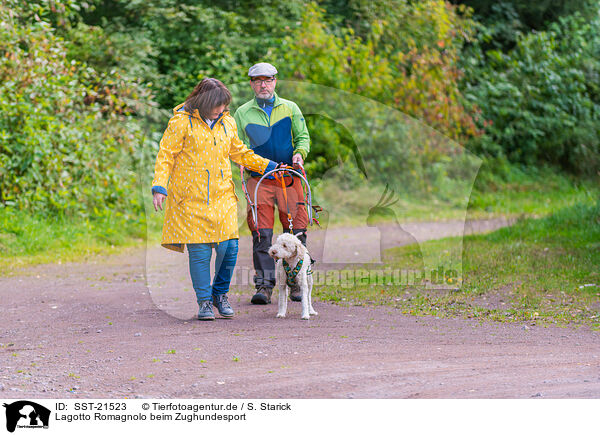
86, 87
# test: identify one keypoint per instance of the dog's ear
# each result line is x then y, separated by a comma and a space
300, 249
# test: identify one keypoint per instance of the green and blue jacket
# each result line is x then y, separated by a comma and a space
277, 135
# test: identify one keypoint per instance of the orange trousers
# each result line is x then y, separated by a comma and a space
270, 193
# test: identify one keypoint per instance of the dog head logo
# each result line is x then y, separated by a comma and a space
25, 414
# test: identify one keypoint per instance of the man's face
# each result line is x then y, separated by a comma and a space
216, 112
263, 87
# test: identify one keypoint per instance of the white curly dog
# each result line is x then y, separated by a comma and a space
292, 269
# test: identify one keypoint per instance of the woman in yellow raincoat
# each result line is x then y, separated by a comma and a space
193, 170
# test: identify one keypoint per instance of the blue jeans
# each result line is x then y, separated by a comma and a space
199, 256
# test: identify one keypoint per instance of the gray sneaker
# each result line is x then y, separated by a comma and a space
206, 311
223, 305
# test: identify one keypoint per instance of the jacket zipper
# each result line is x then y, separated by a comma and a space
208, 188
267, 116
215, 142
216, 122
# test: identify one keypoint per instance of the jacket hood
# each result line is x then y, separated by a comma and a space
179, 109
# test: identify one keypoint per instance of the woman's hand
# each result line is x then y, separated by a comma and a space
158, 199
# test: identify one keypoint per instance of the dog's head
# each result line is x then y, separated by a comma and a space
286, 246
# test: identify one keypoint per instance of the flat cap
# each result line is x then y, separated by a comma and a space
262, 69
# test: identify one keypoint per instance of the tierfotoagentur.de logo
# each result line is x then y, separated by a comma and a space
26, 415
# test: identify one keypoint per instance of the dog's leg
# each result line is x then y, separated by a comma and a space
305, 301
283, 291
311, 310
282, 303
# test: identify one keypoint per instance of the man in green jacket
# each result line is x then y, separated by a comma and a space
273, 128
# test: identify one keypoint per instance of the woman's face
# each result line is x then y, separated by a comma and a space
216, 112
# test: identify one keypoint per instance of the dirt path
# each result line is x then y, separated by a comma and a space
93, 330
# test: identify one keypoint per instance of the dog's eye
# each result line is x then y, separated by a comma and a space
284, 245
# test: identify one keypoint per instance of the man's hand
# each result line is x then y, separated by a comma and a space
158, 200
298, 160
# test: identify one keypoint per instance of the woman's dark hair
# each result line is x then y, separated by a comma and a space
207, 95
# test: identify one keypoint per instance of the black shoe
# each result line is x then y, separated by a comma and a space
262, 296
296, 294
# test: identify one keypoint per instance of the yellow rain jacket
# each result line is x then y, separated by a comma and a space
193, 169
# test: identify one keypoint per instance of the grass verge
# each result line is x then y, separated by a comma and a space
513, 193
27, 240
541, 271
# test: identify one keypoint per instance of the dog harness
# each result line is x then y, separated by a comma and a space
293, 273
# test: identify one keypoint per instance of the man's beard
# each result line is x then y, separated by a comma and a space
264, 95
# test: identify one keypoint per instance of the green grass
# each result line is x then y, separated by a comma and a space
529, 192
30, 239
515, 193
27, 239
542, 271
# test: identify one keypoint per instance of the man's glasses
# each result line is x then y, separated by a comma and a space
265, 81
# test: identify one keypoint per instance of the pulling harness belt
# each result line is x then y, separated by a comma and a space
293, 273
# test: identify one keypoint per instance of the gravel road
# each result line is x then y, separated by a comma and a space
94, 330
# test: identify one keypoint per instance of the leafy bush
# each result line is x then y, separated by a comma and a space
179, 42
407, 59
68, 138
527, 15
403, 58
540, 103
75, 82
